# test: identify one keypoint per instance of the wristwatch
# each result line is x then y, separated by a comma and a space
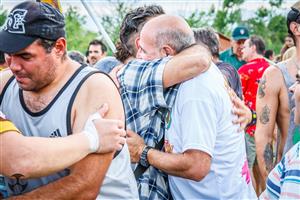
143, 158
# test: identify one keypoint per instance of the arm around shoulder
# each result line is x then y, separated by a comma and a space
186, 65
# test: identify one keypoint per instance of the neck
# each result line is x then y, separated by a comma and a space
255, 56
215, 59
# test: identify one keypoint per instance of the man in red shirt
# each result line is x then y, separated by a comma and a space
251, 74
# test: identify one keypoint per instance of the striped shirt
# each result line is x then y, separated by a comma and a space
284, 180
147, 105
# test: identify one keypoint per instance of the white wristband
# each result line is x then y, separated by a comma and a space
92, 133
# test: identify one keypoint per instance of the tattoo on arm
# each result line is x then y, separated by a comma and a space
17, 184
268, 157
262, 87
265, 115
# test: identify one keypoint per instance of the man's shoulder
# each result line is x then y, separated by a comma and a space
204, 82
5, 75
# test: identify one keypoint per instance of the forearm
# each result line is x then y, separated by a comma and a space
264, 148
179, 164
54, 154
186, 65
80, 184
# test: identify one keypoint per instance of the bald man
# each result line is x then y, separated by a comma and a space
148, 92
203, 149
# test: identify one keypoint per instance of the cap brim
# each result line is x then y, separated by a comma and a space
241, 38
12, 43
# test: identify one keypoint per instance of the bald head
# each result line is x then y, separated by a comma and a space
168, 30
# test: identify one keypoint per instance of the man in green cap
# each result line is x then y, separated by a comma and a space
233, 55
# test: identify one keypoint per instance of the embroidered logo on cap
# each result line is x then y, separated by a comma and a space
15, 21
242, 31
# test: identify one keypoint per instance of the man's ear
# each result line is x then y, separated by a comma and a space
168, 51
60, 46
137, 42
295, 28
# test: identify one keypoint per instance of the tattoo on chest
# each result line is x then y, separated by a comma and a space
268, 157
262, 87
265, 115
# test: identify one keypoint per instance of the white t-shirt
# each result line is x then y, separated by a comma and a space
201, 119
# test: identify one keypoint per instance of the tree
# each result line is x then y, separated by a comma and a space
200, 18
113, 22
270, 25
229, 15
3, 15
78, 37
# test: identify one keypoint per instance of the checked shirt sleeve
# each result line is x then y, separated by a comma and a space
141, 83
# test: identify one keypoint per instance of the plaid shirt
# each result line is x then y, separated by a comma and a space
147, 105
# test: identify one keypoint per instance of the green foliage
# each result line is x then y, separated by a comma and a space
227, 17
199, 19
270, 25
3, 15
112, 22
266, 22
77, 36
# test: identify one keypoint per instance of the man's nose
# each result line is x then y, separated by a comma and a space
13, 64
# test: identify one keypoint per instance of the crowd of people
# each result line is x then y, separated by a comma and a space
168, 116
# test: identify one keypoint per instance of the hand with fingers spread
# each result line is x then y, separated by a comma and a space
135, 145
243, 113
105, 135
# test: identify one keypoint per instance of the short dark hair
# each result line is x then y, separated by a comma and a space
208, 37
259, 44
48, 45
269, 53
293, 16
2, 58
133, 23
98, 42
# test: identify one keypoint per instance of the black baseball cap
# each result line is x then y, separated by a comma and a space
292, 16
29, 21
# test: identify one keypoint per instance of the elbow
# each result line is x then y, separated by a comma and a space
198, 173
85, 189
90, 194
203, 64
19, 166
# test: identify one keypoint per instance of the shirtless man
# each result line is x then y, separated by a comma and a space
274, 102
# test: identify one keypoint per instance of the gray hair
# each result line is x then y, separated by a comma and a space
177, 39
208, 37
